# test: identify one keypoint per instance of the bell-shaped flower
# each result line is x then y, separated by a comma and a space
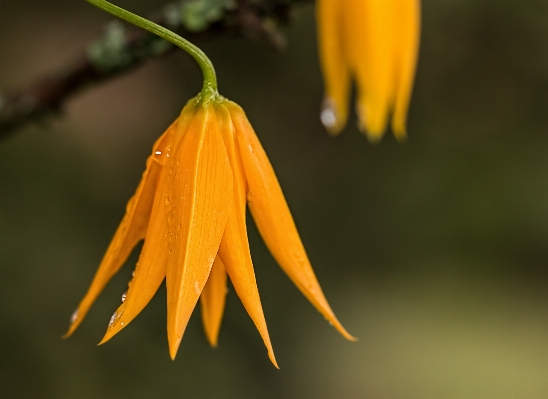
375, 43
190, 209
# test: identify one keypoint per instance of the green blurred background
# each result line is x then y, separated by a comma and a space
434, 253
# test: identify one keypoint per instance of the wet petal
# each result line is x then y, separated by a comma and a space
212, 301
273, 219
149, 272
131, 230
334, 66
197, 199
234, 249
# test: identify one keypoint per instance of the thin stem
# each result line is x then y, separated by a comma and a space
210, 80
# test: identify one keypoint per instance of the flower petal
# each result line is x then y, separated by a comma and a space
131, 230
273, 219
370, 34
197, 198
334, 66
149, 272
212, 301
234, 248
407, 48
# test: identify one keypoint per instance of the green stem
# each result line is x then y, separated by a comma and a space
210, 80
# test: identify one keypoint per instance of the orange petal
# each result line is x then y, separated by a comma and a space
334, 65
234, 249
131, 230
212, 301
370, 33
406, 53
273, 219
197, 198
149, 272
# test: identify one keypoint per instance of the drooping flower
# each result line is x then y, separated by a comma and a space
375, 43
190, 209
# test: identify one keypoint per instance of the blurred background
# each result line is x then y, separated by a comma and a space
434, 253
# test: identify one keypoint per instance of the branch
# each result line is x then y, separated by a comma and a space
122, 48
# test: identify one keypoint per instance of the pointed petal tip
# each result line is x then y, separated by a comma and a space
69, 332
173, 346
400, 130
111, 332
272, 358
106, 338
108, 335
66, 335
338, 326
374, 136
212, 342
401, 137
345, 333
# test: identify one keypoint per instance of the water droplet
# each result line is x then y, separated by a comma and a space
133, 274
112, 319
158, 152
122, 323
74, 316
124, 296
250, 147
197, 288
167, 155
328, 116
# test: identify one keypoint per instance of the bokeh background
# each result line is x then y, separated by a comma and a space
434, 253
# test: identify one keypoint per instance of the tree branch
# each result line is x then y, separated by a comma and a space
122, 48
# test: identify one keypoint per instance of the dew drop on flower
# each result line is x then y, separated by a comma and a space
122, 323
74, 316
112, 319
158, 152
124, 296
328, 115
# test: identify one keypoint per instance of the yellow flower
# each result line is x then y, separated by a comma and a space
190, 209
376, 43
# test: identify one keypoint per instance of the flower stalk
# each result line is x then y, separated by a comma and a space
209, 88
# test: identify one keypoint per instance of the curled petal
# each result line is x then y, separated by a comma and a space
234, 248
131, 230
197, 199
212, 301
273, 219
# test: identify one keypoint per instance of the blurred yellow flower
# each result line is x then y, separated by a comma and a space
190, 209
376, 43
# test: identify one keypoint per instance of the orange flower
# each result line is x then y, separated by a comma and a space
190, 208
376, 43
